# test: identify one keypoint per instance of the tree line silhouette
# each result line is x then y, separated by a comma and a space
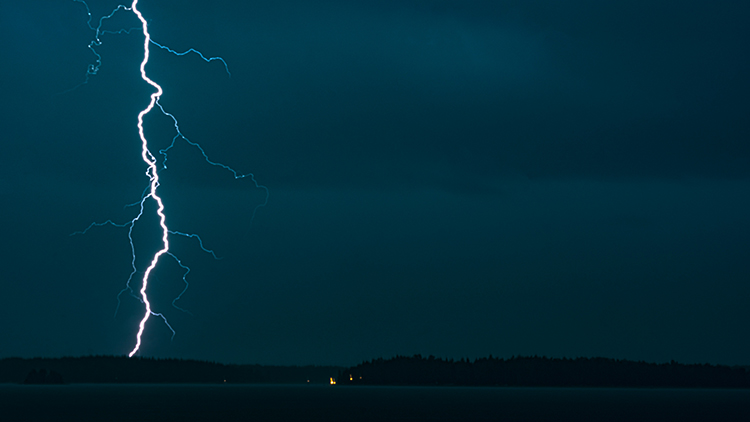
528, 371
535, 371
121, 369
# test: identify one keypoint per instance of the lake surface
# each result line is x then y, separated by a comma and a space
184, 403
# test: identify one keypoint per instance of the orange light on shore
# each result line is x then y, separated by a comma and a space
333, 381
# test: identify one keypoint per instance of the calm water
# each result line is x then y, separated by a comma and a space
222, 403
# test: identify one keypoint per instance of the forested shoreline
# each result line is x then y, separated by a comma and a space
520, 371
535, 371
121, 369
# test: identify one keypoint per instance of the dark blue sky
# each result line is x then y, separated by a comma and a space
446, 177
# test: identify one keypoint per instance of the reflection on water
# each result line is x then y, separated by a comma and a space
88, 402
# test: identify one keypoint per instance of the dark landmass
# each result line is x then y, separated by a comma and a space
121, 369
401, 370
43, 377
542, 372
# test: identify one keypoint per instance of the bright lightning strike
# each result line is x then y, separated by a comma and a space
152, 171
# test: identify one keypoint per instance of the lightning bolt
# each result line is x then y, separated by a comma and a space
152, 172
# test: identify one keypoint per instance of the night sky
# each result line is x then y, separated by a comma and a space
456, 178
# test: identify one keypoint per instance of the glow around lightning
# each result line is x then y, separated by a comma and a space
152, 171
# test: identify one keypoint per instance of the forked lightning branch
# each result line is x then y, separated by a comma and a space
153, 168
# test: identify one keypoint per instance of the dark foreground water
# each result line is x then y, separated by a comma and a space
89, 402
